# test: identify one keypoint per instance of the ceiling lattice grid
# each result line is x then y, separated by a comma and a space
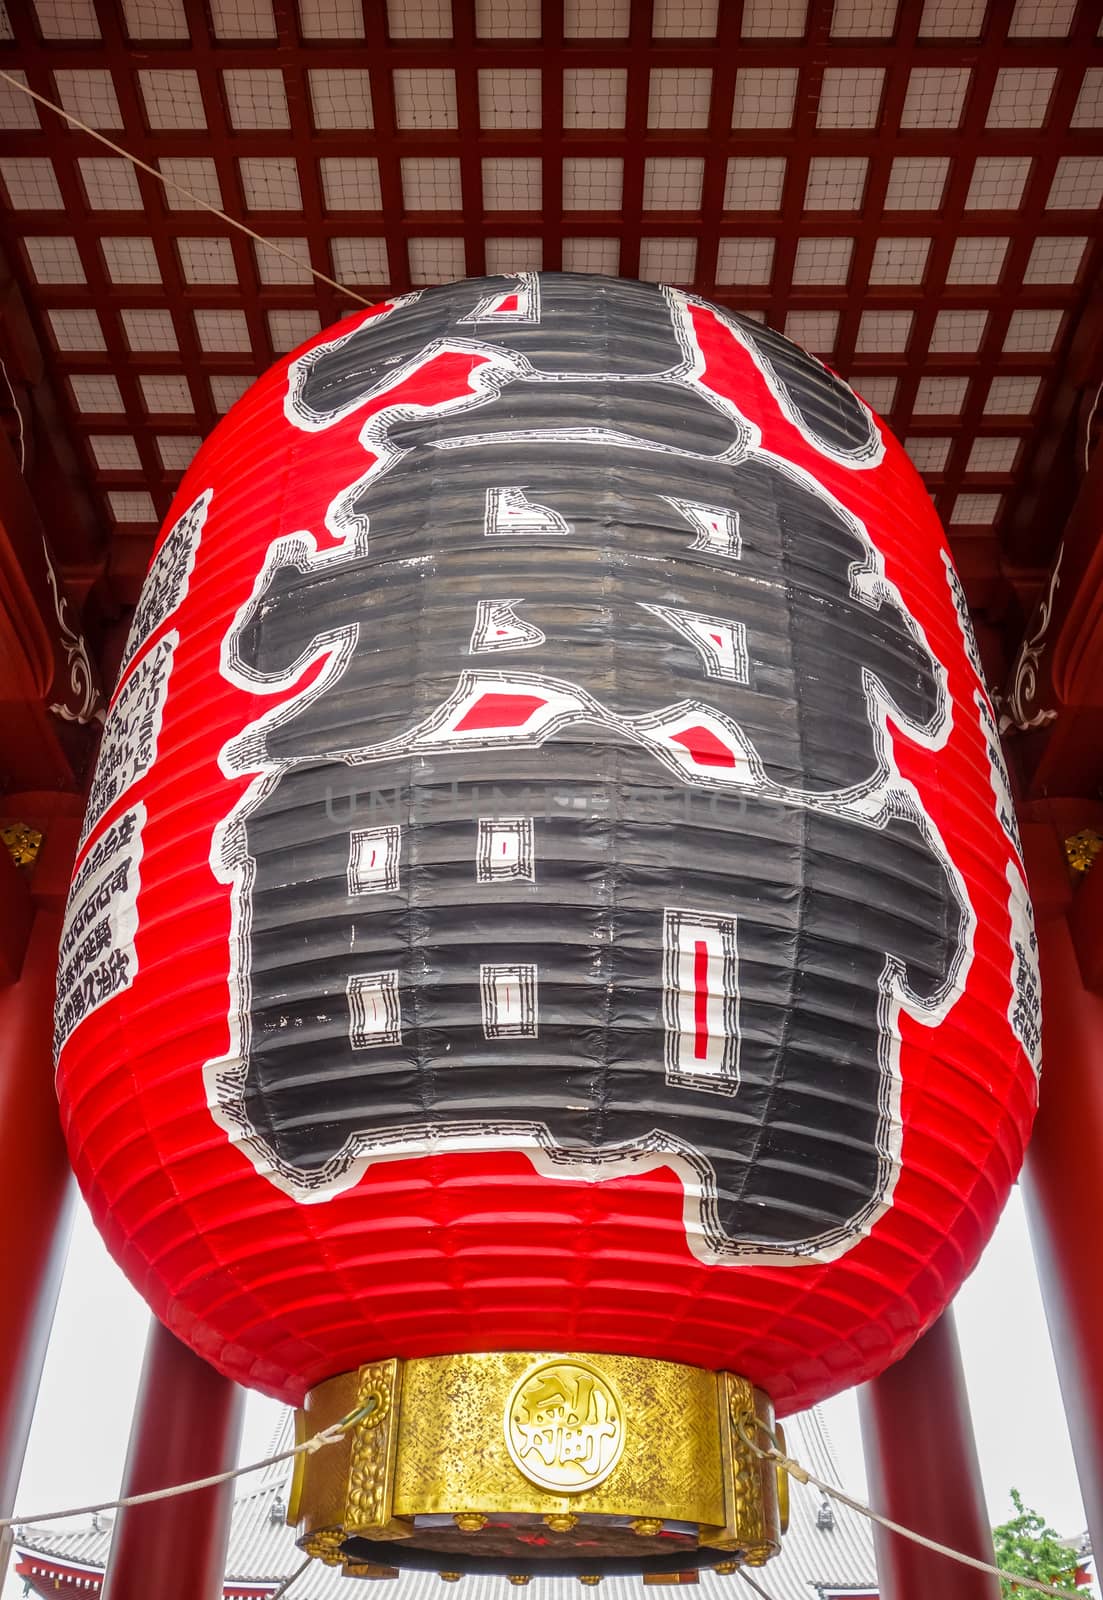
910, 189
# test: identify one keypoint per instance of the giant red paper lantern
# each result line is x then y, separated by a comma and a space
550, 883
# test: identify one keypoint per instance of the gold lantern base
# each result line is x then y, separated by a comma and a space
519, 1461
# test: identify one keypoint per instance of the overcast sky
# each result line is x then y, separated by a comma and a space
78, 1443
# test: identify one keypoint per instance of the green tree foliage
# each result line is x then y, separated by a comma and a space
1028, 1545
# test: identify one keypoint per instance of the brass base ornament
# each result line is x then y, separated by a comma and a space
22, 843
1082, 848
517, 1462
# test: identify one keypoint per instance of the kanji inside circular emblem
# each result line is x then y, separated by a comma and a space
564, 1426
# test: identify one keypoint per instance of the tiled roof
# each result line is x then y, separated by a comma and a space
814, 1562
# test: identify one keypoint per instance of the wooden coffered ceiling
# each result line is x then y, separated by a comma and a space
910, 189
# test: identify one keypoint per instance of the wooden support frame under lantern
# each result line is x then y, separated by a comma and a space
513, 1460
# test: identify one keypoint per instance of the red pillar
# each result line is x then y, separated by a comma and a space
921, 1462
187, 1424
1063, 1188
36, 1193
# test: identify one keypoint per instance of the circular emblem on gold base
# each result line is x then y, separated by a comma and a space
564, 1426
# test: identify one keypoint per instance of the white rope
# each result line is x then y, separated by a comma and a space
279, 1593
802, 1475
170, 183
333, 1434
755, 1585
319, 1441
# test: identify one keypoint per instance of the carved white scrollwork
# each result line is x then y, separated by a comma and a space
87, 701
1018, 712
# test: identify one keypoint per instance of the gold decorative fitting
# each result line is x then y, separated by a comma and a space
590, 1579
782, 1482
324, 1544
726, 1568
1082, 848
560, 1521
620, 1448
450, 1577
520, 1579
23, 843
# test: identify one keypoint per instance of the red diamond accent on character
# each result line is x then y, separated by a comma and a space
700, 999
716, 639
705, 748
500, 711
509, 303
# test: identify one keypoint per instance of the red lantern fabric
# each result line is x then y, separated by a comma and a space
550, 880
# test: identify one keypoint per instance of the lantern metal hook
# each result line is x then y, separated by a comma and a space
775, 1453
357, 1414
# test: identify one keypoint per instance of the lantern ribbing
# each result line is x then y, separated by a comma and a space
550, 945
